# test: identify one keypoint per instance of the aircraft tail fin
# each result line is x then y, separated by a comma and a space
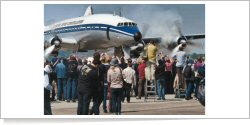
89, 11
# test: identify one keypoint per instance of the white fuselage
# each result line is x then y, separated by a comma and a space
93, 32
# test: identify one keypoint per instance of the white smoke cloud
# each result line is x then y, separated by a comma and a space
156, 22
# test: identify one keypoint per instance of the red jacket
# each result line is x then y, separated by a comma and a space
141, 70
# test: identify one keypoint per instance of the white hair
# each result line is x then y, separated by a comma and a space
90, 60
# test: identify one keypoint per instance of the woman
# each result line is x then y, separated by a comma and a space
169, 77
116, 83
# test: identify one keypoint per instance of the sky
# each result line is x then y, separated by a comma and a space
154, 20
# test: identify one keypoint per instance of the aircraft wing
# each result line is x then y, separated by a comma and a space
66, 43
155, 39
188, 37
196, 36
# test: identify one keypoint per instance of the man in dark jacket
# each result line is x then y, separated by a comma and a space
188, 73
72, 77
160, 76
99, 90
88, 82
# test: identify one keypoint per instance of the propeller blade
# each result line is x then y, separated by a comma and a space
140, 45
197, 44
126, 51
177, 27
176, 48
142, 42
48, 51
145, 28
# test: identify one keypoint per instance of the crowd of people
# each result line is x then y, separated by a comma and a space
114, 80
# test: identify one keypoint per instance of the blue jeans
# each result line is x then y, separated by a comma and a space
189, 88
83, 104
105, 97
61, 88
161, 88
116, 100
197, 82
71, 87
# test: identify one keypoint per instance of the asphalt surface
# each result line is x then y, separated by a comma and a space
170, 106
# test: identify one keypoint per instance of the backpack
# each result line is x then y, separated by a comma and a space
85, 70
187, 71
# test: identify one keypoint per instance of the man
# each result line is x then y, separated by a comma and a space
129, 79
47, 89
72, 77
79, 67
160, 76
53, 76
151, 55
151, 64
180, 56
61, 75
99, 89
188, 74
123, 64
151, 52
86, 87
135, 86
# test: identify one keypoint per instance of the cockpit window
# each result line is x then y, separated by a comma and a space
130, 24
126, 24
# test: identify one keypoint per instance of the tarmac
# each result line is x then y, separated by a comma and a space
170, 106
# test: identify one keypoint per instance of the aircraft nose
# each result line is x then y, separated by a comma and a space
137, 36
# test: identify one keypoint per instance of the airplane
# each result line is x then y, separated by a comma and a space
99, 31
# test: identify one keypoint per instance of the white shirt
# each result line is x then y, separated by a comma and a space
129, 75
180, 56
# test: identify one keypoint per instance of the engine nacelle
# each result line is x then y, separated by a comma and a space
181, 40
56, 41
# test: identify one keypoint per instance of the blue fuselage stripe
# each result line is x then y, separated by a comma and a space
126, 30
